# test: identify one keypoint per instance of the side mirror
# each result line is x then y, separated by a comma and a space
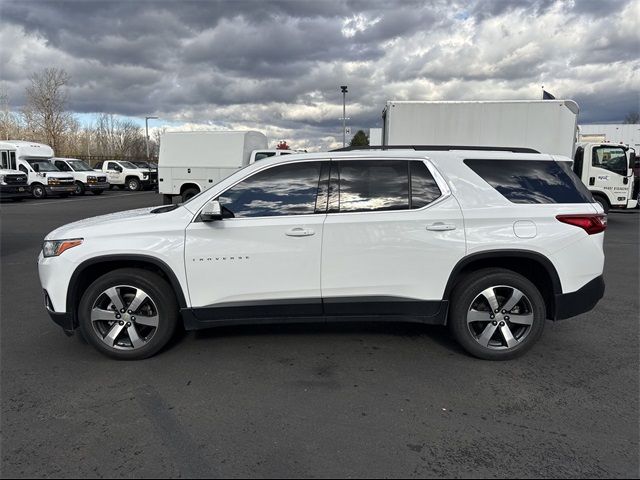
212, 211
36, 167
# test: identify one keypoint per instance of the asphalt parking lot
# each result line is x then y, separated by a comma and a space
366, 400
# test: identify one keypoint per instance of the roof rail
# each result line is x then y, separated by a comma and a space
438, 148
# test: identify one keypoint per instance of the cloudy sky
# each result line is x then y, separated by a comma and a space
276, 66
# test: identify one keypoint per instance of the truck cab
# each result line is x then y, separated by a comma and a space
84, 176
607, 171
124, 174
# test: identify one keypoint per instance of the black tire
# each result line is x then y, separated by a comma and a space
189, 193
79, 188
97, 192
470, 289
158, 291
133, 184
603, 202
38, 191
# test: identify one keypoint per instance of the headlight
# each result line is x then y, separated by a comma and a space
53, 248
91, 178
2, 180
145, 175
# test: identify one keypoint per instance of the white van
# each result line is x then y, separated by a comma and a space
43, 176
85, 177
191, 162
13, 183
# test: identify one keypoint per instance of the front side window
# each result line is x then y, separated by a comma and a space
43, 165
613, 159
22, 168
283, 190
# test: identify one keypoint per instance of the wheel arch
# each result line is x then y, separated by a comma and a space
185, 186
89, 270
533, 265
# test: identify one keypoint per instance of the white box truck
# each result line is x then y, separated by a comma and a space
547, 126
191, 162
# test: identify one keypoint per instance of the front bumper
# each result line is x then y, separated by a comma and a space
59, 189
571, 304
96, 186
14, 191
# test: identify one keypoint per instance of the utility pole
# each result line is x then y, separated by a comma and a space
146, 125
344, 115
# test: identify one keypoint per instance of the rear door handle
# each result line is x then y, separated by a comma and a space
300, 232
441, 227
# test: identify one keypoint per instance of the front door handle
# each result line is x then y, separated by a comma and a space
441, 227
300, 232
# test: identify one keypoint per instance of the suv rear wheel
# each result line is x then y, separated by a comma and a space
496, 314
128, 314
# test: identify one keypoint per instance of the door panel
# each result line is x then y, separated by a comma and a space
269, 253
254, 260
397, 251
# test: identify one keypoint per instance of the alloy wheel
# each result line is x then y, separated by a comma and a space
500, 317
125, 317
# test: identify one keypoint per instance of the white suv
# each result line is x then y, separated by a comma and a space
490, 243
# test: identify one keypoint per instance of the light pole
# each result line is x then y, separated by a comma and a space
344, 115
146, 125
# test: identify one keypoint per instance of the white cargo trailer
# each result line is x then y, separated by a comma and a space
191, 162
548, 126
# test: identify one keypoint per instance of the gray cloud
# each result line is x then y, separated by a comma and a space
277, 65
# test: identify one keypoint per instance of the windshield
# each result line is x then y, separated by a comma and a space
142, 164
79, 166
128, 165
43, 165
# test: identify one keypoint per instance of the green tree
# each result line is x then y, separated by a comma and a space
360, 139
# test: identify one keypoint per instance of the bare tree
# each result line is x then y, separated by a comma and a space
10, 122
45, 112
156, 136
118, 137
632, 117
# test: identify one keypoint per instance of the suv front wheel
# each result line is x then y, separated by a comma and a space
128, 314
496, 314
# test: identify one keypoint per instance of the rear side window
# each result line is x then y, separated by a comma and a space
380, 185
532, 181
367, 186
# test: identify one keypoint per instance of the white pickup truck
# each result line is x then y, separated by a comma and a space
123, 174
84, 176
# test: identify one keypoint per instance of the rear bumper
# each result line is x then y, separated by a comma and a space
571, 304
14, 191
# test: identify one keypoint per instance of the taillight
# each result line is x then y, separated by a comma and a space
590, 223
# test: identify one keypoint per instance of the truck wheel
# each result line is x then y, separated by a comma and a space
128, 314
603, 202
38, 191
189, 193
133, 184
79, 188
496, 314
97, 192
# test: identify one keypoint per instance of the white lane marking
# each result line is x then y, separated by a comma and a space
94, 197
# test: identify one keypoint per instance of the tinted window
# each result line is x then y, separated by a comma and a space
22, 168
532, 181
263, 155
63, 167
5, 160
613, 159
424, 188
283, 190
367, 186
